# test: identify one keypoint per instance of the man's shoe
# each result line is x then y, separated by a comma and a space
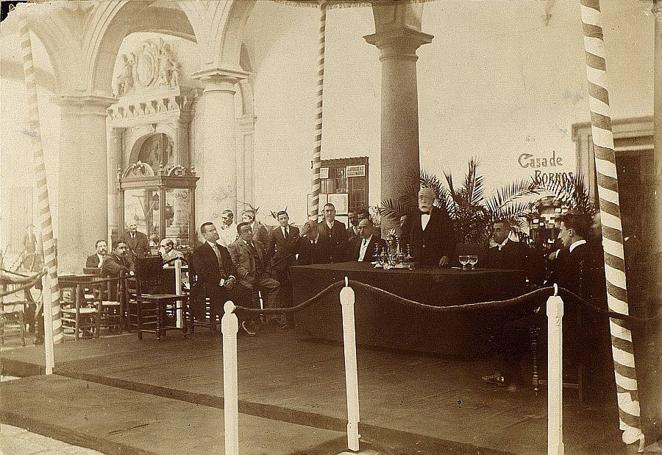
246, 329
496, 379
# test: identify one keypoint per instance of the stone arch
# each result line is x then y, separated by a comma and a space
227, 30
135, 147
113, 21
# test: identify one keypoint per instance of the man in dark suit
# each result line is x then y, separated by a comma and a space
313, 249
335, 233
282, 249
96, 260
367, 243
429, 234
352, 226
117, 261
137, 242
505, 253
216, 274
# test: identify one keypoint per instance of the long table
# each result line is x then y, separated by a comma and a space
380, 322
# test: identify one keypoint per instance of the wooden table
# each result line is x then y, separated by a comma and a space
383, 323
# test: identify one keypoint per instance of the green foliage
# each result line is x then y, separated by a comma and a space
471, 211
573, 193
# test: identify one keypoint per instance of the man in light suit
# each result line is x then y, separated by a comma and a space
430, 233
367, 243
137, 242
96, 260
252, 269
335, 233
260, 232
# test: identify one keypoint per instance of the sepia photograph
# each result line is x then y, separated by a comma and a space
330, 227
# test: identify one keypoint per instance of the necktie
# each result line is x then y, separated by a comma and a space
217, 252
286, 233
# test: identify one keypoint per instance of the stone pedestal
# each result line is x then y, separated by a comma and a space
217, 167
83, 179
400, 161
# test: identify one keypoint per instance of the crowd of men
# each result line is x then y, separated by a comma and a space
249, 263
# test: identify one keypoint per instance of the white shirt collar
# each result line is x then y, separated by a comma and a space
576, 244
367, 241
212, 244
502, 244
330, 225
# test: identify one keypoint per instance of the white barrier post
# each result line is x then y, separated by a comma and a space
229, 328
555, 375
47, 320
347, 299
179, 307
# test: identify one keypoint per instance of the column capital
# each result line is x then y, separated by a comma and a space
85, 104
220, 79
399, 43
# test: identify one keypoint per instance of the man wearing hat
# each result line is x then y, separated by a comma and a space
429, 233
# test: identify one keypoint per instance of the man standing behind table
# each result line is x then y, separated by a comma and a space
216, 275
367, 243
228, 229
252, 267
137, 242
313, 249
335, 233
430, 233
96, 260
352, 226
282, 249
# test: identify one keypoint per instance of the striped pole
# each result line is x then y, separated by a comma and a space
51, 293
313, 210
610, 216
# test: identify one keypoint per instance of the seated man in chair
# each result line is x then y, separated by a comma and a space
252, 269
216, 275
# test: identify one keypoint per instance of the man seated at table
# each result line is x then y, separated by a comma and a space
168, 251
312, 248
252, 270
117, 261
429, 234
96, 260
505, 253
367, 245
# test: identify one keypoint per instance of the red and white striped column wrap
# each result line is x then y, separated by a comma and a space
313, 210
610, 216
45, 219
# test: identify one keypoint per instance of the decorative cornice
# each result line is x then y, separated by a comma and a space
220, 79
158, 107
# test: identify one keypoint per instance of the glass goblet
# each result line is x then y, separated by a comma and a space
464, 260
473, 260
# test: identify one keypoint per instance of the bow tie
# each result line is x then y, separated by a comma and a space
424, 213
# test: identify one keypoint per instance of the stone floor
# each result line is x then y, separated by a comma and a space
18, 441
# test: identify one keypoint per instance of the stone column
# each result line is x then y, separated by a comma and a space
217, 167
115, 165
83, 178
657, 122
400, 161
245, 165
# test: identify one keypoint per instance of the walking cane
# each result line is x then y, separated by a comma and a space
259, 297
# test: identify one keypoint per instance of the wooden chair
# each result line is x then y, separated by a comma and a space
156, 310
110, 295
12, 309
81, 313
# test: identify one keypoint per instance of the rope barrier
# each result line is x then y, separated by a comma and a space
170, 261
528, 298
33, 280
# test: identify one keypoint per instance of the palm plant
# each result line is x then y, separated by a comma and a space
573, 193
471, 211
